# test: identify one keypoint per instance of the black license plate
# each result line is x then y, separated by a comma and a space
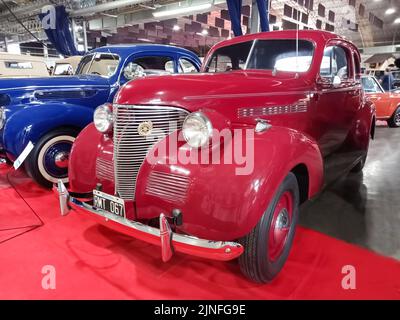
109, 203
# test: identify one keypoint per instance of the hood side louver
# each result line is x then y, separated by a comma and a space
65, 94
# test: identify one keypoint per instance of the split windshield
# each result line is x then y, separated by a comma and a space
281, 55
102, 64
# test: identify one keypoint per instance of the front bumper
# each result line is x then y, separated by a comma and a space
169, 241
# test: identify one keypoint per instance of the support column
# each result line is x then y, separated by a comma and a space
45, 51
85, 43
255, 18
73, 25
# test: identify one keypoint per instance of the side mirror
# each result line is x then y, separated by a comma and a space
336, 81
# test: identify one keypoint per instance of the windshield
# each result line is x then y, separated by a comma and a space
280, 55
103, 64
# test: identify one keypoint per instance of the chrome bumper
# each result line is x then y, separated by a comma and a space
164, 237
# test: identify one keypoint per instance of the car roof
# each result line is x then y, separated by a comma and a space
127, 49
20, 57
315, 35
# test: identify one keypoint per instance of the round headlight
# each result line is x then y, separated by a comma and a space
103, 118
197, 130
2, 117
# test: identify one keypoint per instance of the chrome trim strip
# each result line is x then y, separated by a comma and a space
81, 87
249, 95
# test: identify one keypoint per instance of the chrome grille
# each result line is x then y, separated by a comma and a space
130, 148
168, 186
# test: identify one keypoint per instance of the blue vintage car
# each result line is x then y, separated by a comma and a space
50, 112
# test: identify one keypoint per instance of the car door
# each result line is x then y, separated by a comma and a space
380, 98
336, 105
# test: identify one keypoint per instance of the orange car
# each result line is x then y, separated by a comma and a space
387, 103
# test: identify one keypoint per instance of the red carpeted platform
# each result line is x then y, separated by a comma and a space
93, 262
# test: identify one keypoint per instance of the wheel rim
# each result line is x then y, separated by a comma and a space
397, 118
280, 226
53, 158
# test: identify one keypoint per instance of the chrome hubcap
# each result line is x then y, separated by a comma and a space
61, 159
397, 118
282, 221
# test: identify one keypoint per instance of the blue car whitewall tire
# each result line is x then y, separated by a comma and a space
48, 161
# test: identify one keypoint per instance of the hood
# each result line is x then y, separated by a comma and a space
50, 82
214, 90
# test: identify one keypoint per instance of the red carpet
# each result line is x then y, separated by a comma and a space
15, 215
93, 262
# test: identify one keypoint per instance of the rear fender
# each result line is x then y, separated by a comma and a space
30, 123
217, 203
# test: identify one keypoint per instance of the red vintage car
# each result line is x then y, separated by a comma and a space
292, 103
387, 103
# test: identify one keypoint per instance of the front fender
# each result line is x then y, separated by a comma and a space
31, 122
217, 203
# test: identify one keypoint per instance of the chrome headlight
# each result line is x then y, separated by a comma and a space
2, 117
197, 129
103, 118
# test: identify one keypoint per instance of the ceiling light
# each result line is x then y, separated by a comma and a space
397, 20
109, 15
390, 11
183, 10
176, 28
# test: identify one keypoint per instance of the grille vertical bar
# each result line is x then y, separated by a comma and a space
131, 148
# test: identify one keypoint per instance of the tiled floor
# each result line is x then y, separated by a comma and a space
364, 208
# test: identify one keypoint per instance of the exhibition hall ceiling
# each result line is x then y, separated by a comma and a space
366, 22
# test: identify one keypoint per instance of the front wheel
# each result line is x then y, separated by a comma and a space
267, 246
394, 121
48, 161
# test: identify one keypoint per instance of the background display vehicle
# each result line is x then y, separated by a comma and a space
50, 112
387, 103
22, 66
67, 66
306, 117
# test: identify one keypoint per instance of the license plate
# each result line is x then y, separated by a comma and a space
109, 203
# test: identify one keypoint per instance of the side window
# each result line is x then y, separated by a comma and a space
370, 85
18, 65
335, 63
186, 66
146, 66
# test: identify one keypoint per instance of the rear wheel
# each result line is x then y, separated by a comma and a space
394, 121
48, 161
267, 246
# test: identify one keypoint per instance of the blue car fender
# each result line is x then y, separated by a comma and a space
30, 123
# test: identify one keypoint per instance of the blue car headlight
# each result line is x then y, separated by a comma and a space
2, 117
